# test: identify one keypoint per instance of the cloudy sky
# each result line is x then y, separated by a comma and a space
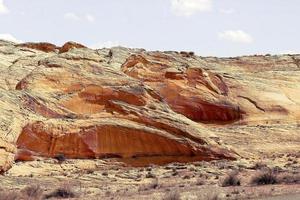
207, 27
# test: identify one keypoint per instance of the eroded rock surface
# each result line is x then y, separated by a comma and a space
189, 89
76, 102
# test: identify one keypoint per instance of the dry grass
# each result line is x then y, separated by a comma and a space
213, 197
200, 181
9, 195
30, 192
65, 191
231, 179
153, 185
265, 177
289, 178
210, 194
173, 195
259, 166
33, 192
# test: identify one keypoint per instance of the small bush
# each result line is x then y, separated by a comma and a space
104, 173
173, 195
200, 181
9, 195
64, 191
259, 165
213, 196
231, 180
191, 53
288, 178
60, 157
266, 177
175, 172
187, 54
150, 175
153, 185
32, 192
186, 177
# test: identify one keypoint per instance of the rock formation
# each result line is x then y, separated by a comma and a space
76, 102
189, 89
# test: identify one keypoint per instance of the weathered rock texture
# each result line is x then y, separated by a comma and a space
189, 89
76, 102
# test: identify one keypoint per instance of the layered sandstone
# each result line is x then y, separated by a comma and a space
189, 89
77, 102
122, 103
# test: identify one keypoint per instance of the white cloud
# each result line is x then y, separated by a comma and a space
190, 7
71, 16
3, 8
237, 36
227, 11
89, 18
107, 44
74, 17
9, 37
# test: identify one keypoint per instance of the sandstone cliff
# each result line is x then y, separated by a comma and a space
131, 103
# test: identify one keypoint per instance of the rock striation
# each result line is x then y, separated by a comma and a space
188, 89
128, 104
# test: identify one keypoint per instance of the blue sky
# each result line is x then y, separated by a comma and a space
207, 27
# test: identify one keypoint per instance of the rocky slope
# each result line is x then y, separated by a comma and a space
142, 107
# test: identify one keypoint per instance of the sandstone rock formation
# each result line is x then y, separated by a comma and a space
189, 89
76, 102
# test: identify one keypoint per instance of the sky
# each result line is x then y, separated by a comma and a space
207, 27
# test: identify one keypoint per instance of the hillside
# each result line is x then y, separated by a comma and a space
133, 107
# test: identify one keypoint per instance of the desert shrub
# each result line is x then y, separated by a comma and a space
200, 181
173, 195
60, 157
64, 191
210, 193
32, 192
213, 196
175, 172
191, 53
259, 165
264, 177
149, 169
186, 177
288, 178
231, 179
150, 175
153, 185
187, 54
104, 173
9, 195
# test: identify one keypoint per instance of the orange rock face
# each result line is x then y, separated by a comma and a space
42, 46
70, 45
107, 140
190, 90
48, 47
